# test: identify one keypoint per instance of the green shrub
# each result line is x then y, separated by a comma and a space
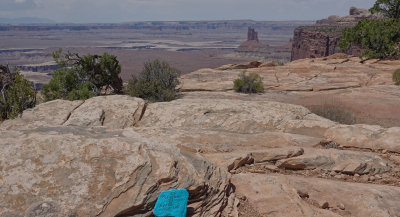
156, 82
378, 38
389, 8
396, 77
251, 83
80, 78
16, 94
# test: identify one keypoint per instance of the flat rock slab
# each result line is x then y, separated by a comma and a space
303, 75
236, 116
282, 195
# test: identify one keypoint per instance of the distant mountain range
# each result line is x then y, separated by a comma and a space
25, 20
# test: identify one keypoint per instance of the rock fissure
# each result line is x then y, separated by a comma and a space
72, 111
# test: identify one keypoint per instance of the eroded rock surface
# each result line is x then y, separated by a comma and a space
52, 169
348, 162
364, 89
237, 154
298, 196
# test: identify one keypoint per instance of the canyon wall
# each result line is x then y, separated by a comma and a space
322, 39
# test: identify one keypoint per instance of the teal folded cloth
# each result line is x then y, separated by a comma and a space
172, 203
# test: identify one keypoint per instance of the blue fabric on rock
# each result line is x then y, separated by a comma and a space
172, 203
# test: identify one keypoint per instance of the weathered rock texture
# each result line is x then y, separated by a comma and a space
237, 154
296, 196
338, 81
83, 159
322, 39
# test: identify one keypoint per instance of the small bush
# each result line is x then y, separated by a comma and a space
16, 94
80, 78
251, 83
157, 82
396, 77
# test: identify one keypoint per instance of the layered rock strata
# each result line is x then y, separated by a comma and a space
236, 154
322, 39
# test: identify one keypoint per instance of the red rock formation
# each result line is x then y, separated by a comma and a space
252, 44
311, 44
322, 39
252, 35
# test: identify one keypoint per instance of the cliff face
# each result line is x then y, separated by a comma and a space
322, 39
311, 44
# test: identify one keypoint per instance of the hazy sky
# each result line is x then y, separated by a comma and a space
149, 10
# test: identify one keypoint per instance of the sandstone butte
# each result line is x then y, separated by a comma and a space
236, 154
322, 39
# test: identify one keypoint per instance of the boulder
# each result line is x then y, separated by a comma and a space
110, 111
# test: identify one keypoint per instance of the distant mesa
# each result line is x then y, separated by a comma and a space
252, 44
322, 39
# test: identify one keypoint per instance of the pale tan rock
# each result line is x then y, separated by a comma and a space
48, 169
272, 168
366, 136
348, 162
270, 197
114, 112
54, 112
276, 195
235, 116
306, 74
94, 172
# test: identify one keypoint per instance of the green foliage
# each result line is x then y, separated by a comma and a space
379, 38
83, 77
156, 82
16, 96
389, 8
251, 83
20, 96
396, 77
65, 84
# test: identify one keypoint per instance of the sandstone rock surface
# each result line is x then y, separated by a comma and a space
285, 196
365, 89
237, 154
348, 162
49, 168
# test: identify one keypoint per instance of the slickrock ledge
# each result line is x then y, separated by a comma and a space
237, 155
